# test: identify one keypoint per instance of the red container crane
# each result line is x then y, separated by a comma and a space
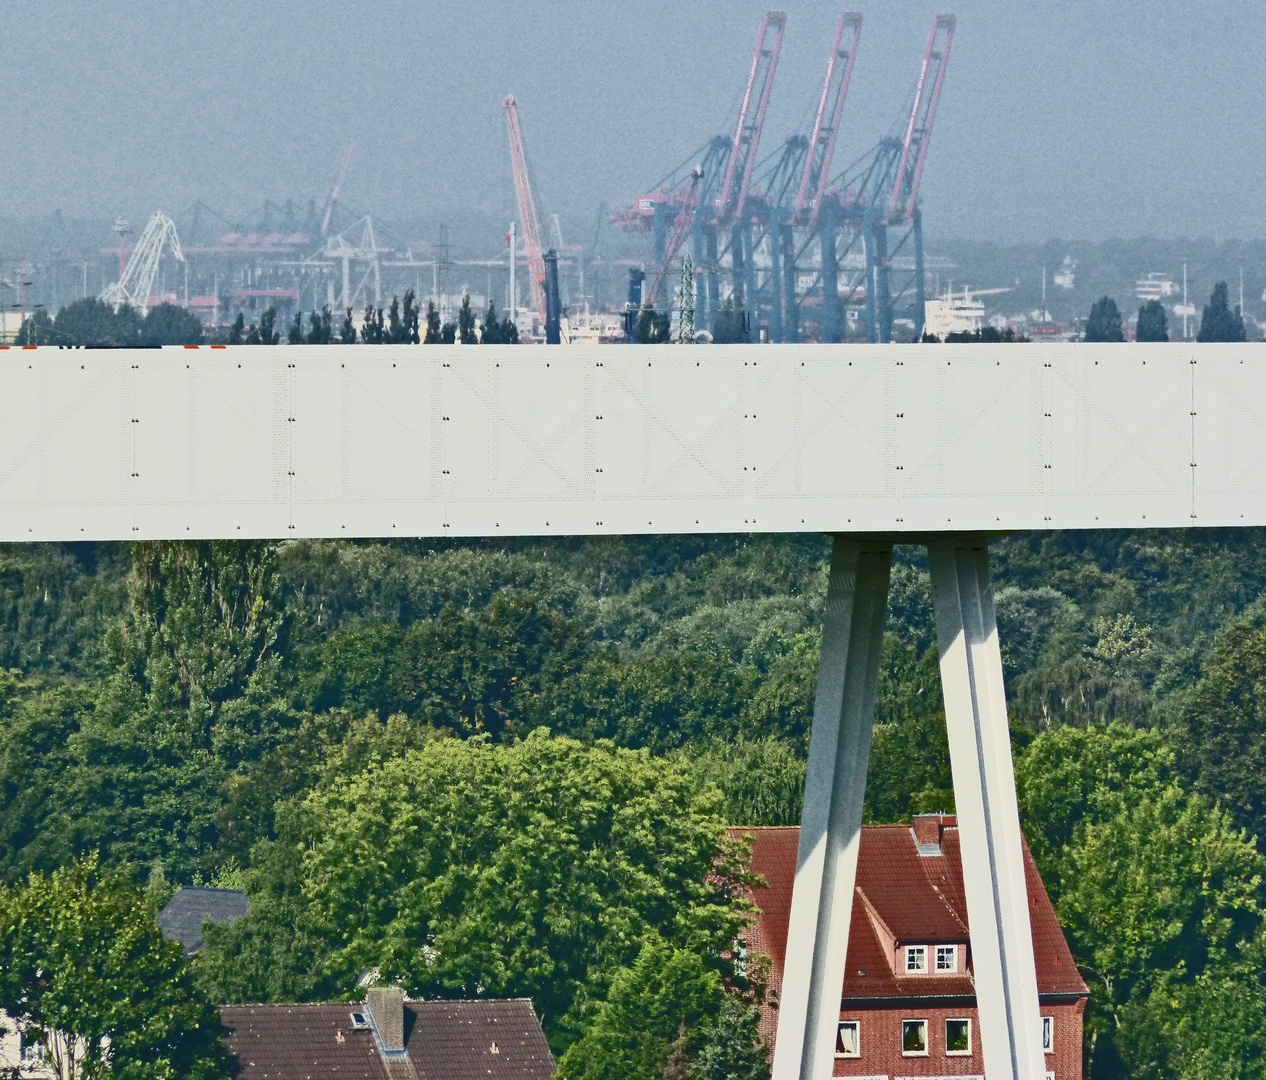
738, 173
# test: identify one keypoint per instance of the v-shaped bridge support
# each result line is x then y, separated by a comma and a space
984, 794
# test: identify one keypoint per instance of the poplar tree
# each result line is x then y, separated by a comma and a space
268, 327
466, 322
1218, 322
1104, 323
409, 318
1152, 324
433, 331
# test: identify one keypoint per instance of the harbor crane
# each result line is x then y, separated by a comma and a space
681, 228
136, 284
344, 164
527, 209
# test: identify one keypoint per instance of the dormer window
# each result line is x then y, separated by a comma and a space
916, 959
947, 958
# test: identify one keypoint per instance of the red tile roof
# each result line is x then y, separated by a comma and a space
444, 1040
919, 899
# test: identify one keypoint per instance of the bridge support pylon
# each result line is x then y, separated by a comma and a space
984, 792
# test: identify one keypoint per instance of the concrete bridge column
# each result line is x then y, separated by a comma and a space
984, 792
988, 816
830, 827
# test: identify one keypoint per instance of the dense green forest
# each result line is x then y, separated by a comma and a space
506, 768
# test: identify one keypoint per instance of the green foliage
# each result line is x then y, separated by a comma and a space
410, 317
1218, 322
1160, 898
268, 334
295, 336
94, 324
1153, 325
85, 970
668, 996
494, 331
471, 673
402, 323
988, 335
55, 603
466, 323
1073, 777
320, 327
909, 751
372, 331
237, 332
537, 868
1220, 728
730, 326
308, 716
657, 701
433, 331
760, 780
1166, 910
1104, 323
347, 328
169, 324
652, 327
37, 329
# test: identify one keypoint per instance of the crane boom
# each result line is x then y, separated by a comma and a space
527, 210
826, 127
681, 228
927, 94
738, 173
344, 164
136, 283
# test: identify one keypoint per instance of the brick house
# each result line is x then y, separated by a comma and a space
908, 1006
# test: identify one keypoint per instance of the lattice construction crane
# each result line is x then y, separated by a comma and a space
136, 285
527, 210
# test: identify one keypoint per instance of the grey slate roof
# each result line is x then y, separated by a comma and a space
444, 1040
181, 920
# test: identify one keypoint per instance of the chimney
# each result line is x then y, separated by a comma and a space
385, 1005
553, 303
927, 830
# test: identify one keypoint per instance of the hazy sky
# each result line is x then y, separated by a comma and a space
1079, 118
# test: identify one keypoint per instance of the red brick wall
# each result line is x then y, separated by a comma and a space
881, 1043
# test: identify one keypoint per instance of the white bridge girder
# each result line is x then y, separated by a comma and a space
524, 440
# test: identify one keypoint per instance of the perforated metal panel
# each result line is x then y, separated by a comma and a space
522, 440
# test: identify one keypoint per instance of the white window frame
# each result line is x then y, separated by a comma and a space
970, 1046
914, 1053
922, 952
1048, 1034
856, 1025
952, 950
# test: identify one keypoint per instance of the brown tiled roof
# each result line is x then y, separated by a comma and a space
918, 898
444, 1040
